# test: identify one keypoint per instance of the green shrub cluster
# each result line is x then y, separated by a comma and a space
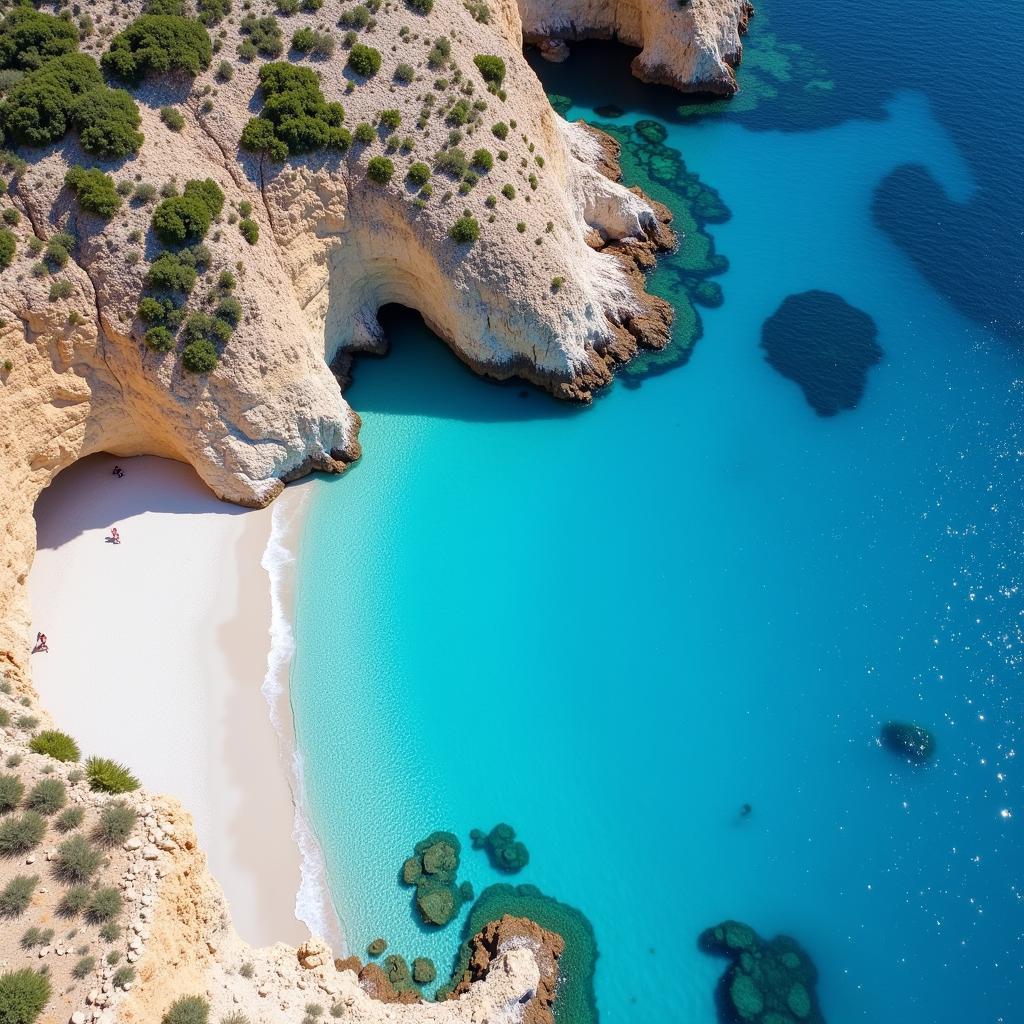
419, 173
465, 230
47, 796
295, 117
250, 230
212, 12
108, 776
174, 272
29, 38
23, 996
16, 895
12, 789
104, 905
95, 190
77, 860
56, 744
364, 60
187, 1010
68, 92
8, 247
21, 834
263, 35
420, 6
309, 40
187, 218
357, 17
491, 68
116, 823
156, 44
380, 169
69, 819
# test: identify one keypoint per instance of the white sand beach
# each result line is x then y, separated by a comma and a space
158, 650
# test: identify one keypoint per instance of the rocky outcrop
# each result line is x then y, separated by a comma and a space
496, 940
691, 45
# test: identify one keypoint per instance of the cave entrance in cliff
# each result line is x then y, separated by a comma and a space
421, 376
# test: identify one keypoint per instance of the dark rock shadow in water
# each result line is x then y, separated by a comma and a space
825, 345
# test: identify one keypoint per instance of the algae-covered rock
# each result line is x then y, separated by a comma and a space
433, 869
911, 741
423, 970
766, 982
398, 973
505, 852
377, 947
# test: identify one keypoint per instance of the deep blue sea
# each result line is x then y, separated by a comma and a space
613, 627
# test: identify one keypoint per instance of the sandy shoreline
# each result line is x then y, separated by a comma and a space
158, 652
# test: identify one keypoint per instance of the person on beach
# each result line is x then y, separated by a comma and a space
118, 472
41, 644
115, 537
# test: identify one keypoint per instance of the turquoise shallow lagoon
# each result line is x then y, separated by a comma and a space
613, 627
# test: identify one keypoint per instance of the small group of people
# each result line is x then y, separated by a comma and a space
41, 644
115, 536
118, 472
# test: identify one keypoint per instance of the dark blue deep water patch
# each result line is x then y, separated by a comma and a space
825, 345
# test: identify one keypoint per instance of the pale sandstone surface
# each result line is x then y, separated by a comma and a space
333, 248
693, 45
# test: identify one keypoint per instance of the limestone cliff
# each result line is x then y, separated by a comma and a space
692, 45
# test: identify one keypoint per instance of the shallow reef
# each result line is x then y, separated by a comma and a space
825, 345
433, 868
376, 947
423, 970
767, 982
914, 742
575, 1003
505, 852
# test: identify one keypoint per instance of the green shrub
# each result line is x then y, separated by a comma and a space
199, 356
110, 932
357, 17
500, 129
47, 796
175, 8
491, 68
95, 190
21, 834
168, 272
264, 34
420, 6
390, 119
159, 339
17, 895
77, 860
250, 230
364, 60
83, 967
172, 118
308, 40
187, 217
107, 121
123, 976
419, 173
287, 6
58, 745
12, 789
439, 53
29, 38
212, 12
380, 169
36, 937
452, 162
405, 73
61, 290
151, 311
12, 217
364, 132
465, 229
23, 996
459, 113
109, 776
8, 247
225, 71
116, 823
187, 1010
508, 191
70, 818
230, 310
104, 905
482, 159
295, 117
156, 44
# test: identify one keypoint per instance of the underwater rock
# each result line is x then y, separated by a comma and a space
432, 869
577, 960
767, 982
505, 852
423, 970
376, 982
911, 741
377, 947
653, 132
825, 345
609, 110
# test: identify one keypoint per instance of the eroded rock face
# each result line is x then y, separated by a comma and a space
692, 46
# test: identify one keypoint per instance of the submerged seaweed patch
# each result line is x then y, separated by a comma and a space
825, 345
575, 1003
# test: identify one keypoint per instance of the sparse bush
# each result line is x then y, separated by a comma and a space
47, 796
420, 6
58, 745
61, 290
95, 190
225, 71
521, 227
246, 970
104, 905
8, 247
23, 996
482, 160
364, 60
380, 169
83, 967
123, 976
500, 130
187, 1010
390, 119
77, 860
116, 823
357, 17
439, 53
419, 173
109, 776
17, 895
156, 44
22, 833
144, 193
308, 40
250, 230
405, 73
287, 6
110, 932
465, 229
70, 818
12, 789
12, 217
452, 162
229, 310
36, 937
364, 132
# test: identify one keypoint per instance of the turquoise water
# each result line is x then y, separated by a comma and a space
613, 627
